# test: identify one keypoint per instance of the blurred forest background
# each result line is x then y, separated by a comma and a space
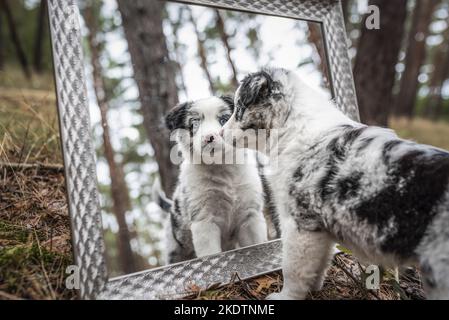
401, 74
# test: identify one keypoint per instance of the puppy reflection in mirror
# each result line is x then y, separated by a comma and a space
217, 204
337, 180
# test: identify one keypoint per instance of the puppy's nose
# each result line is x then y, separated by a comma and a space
209, 138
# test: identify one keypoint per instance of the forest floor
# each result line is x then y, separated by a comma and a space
35, 246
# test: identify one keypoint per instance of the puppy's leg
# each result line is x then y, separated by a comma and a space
305, 260
433, 257
253, 230
177, 243
206, 238
435, 279
434, 266
173, 251
324, 265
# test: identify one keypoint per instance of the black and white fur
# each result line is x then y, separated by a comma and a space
337, 180
216, 207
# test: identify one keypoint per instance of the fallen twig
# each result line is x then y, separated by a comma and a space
23, 166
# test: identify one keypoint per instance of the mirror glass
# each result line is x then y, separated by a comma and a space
206, 53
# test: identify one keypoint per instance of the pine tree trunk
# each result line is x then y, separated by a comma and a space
316, 38
175, 35
220, 24
202, 52
415, 56
155, 77
434, 104
377, 55
39, 38
2, 48
346, 5
15, 38
439, 103
119, 189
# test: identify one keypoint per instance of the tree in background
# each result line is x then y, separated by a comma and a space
433, 108
415, 57
377, 55
220, 32
316, 38
225, 39
155, 75
119, 189
25, 40
14, 35
345, 6
39, 38
178, 47
2, 43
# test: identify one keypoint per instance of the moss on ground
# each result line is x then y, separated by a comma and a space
29, 270
35, 246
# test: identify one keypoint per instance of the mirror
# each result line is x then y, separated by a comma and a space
136, 72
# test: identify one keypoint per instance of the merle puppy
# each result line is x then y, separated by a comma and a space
385, 198
216, 206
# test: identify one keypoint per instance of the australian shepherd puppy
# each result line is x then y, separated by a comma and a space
217, 204
337, 180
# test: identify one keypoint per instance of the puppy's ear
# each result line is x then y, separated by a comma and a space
255, 87
229, 100
176, 117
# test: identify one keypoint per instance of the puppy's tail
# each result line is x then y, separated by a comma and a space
159, 196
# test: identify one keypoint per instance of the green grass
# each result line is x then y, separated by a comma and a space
29, 124
29, 268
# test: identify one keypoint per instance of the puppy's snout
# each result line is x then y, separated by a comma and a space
221, 132
210, 138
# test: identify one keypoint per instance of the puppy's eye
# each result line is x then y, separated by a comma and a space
223, 120
195, 123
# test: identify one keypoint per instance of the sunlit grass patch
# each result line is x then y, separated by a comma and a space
29, 130
12, 77
435, 133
